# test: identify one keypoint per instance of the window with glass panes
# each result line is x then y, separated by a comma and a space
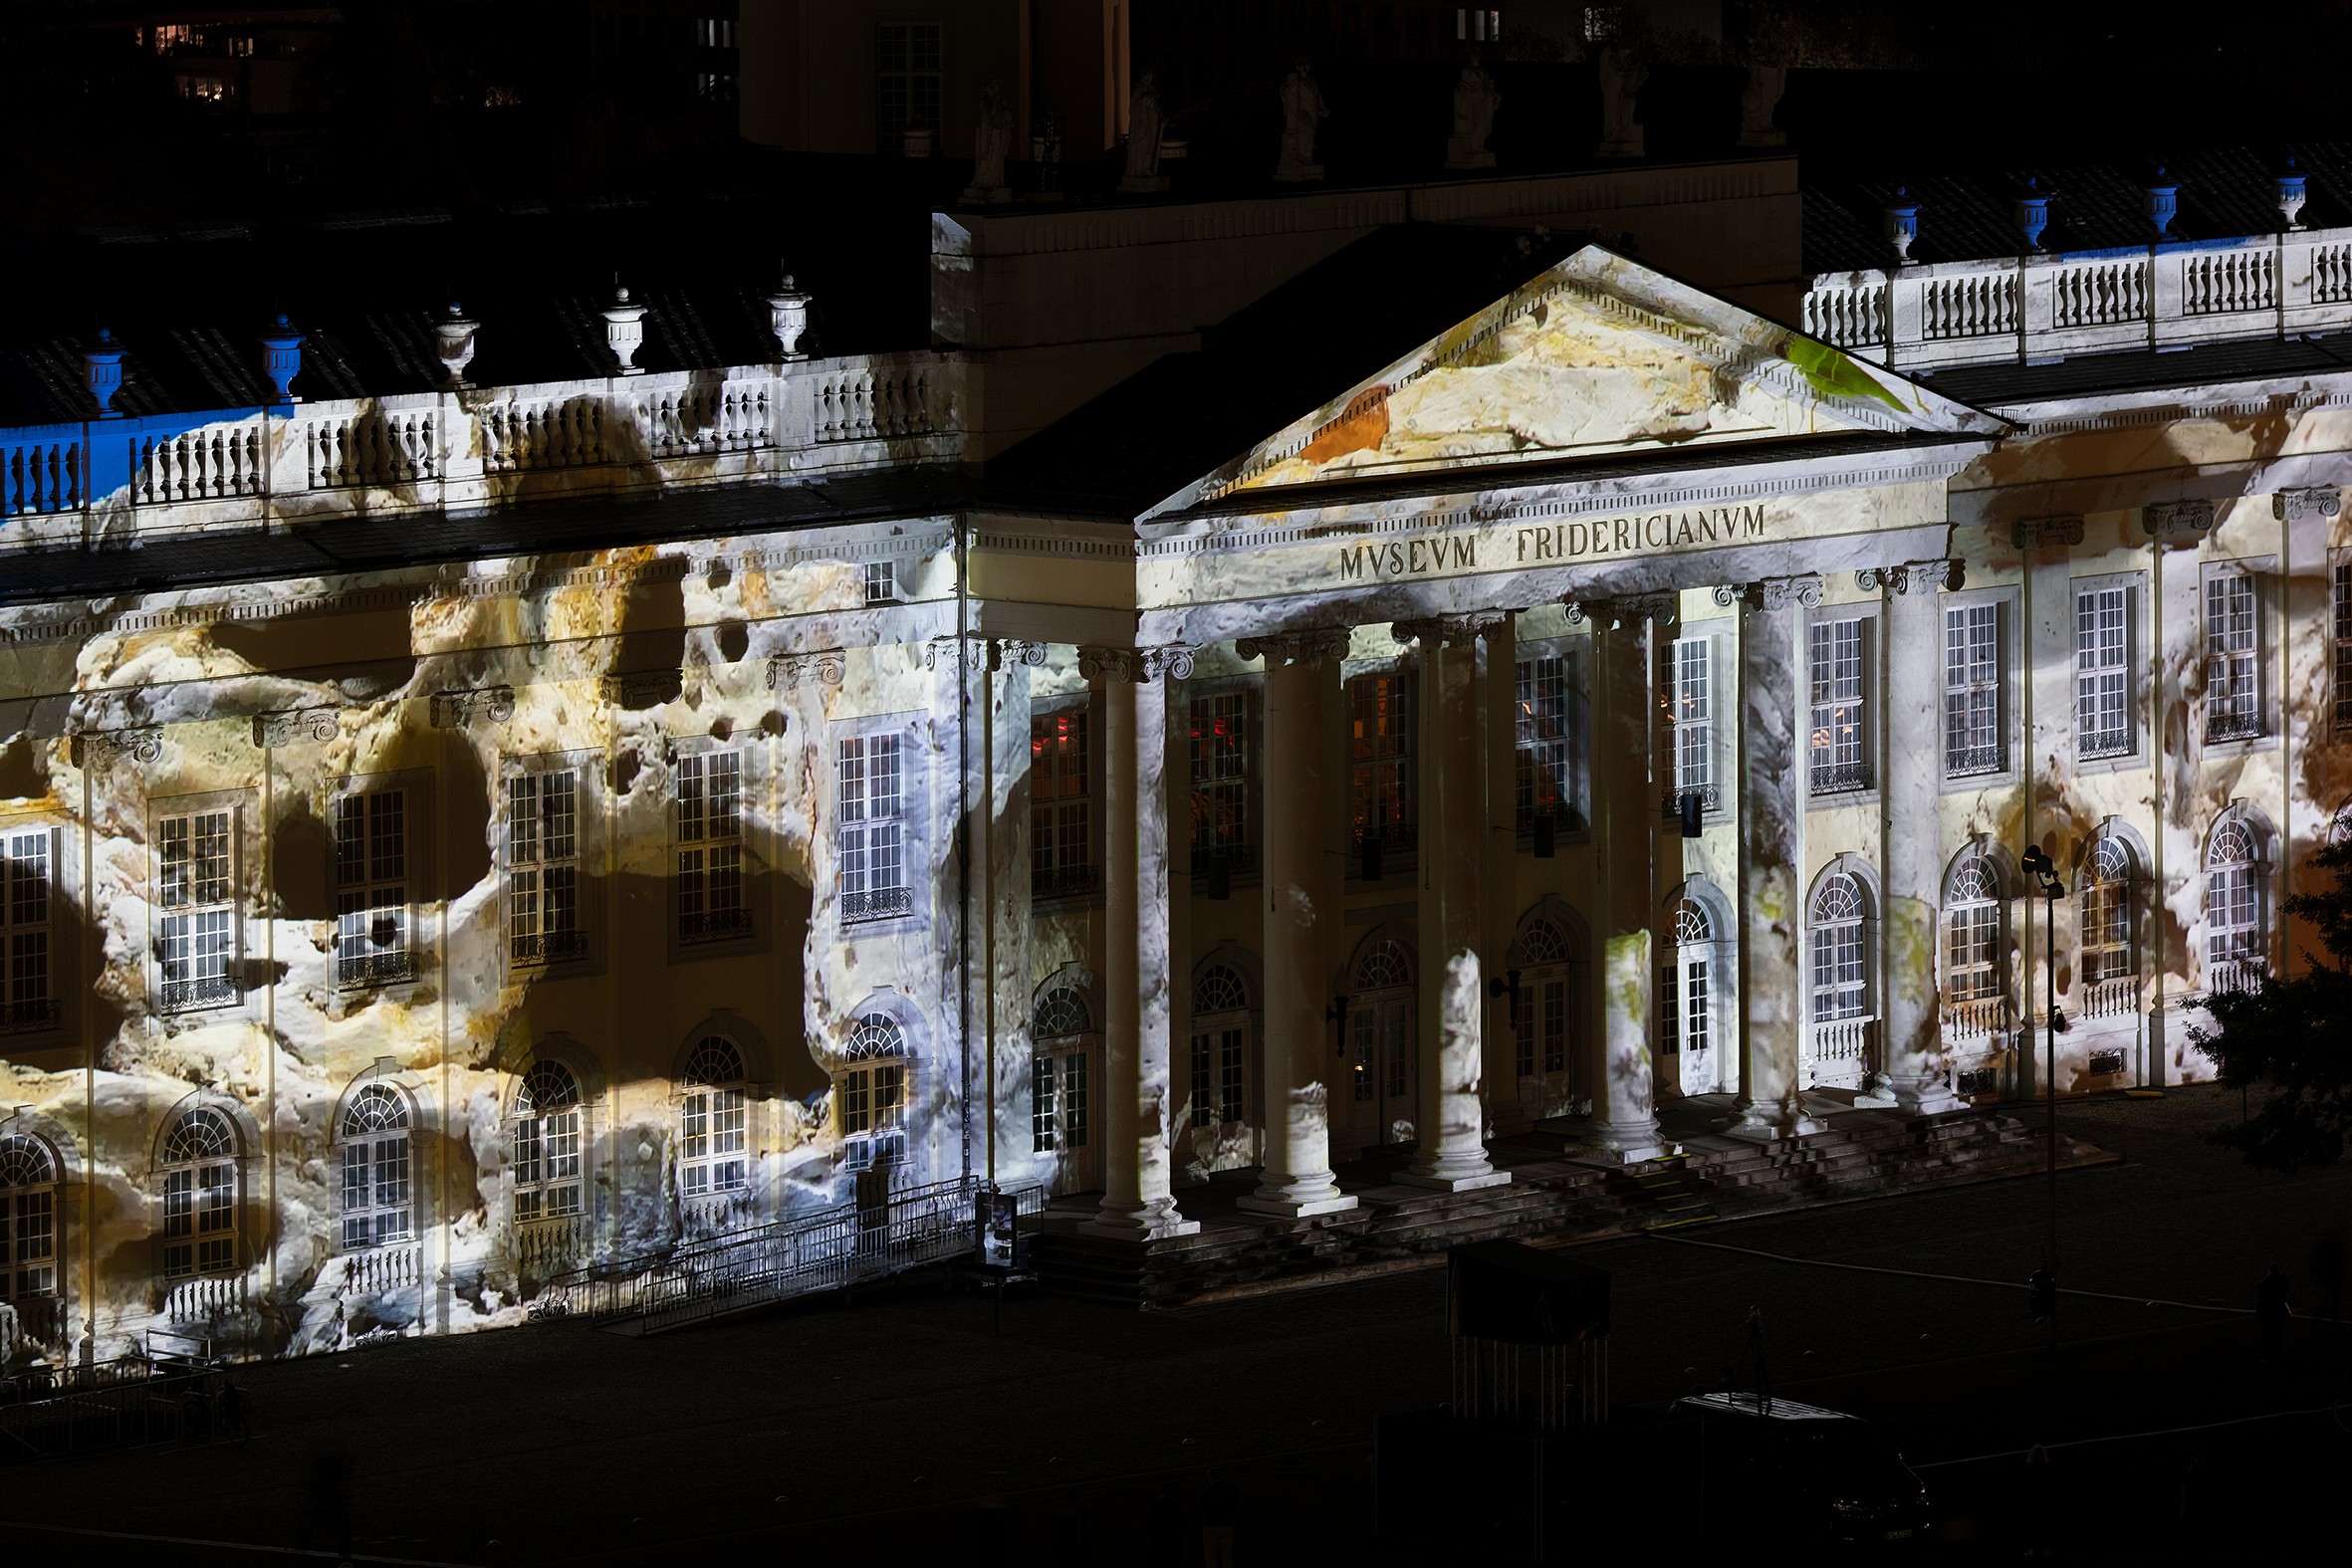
372, 936
906, 81
1219, 1015
547, 1139
1691, 662
1058, 1071
709, 815
1686, 997
2234, 945
871, 862
2102, 678
2343, 641
542, 867
1840, 752
1059, 830
1381, 757
1971, 690
1551, 752
373, 1143
28, 1220
2108, 912
869, 1096
2232, 657
27, 999
1971, 931
199, 1172
1841, 974
713, 1121
197, 892
1539, 1012
1221, 776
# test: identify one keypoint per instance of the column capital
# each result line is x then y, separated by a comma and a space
1314, 645
458, 707
1774, 594
2292, 506
1171, 660
2181, 520
321, 723
1923, 578
99, 748
1619, 609
826, 666
2046, 532
1450, 630
644, 688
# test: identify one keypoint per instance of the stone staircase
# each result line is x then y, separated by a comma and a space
1553, 1196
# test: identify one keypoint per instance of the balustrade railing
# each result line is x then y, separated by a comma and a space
382, 447
214, 463
380, 1269
1837, 1050
205, 1300
1974, 1017
2114, 997
42, 473
2029, 309
550, 1246
2232, 976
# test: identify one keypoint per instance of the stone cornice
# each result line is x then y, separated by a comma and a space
460, 707
1314, 645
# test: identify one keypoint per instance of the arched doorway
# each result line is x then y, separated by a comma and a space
1065, 1047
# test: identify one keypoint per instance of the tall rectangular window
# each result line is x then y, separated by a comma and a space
371, 935
1551, 740
871, 859
711, 906
1971, 690
2342, 626
1690, 668
197, 896
1060, 831
1539, 1025
906, 81
1041, 1103
1221, 777
543, 868
1381, 804
1839, 753
2102, 679
27, 999
2232, 657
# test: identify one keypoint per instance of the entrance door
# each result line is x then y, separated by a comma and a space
1062, 1078
1688, 1021
1382, 1025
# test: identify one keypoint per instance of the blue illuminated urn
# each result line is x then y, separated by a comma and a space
2033, 214
2163, 204
1902, 224
102, 372
281, 359
2293, 187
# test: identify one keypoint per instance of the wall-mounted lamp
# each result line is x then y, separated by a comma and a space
1508, 985
1336, 1012
1546, 836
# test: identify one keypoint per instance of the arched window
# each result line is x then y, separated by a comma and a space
28, 1221
377, 1201
2236, 950
713, 1143
1842, 967
1539, 1010
546, 1144
1973, 969
1219, 1047
1379, 1016
2107, 920
199, 1172
871, 1094
1058, 1094
1686, 1013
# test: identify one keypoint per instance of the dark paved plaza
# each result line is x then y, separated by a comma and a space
899, 1428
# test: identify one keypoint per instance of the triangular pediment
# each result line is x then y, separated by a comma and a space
1596, 358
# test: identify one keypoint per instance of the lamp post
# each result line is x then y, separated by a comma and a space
2038, 866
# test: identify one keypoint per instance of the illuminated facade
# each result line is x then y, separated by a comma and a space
1600, 701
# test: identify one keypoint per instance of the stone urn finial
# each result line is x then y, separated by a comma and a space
1902, 224
2164, 202
102, 372
624, 329
281, 359
453, 346
2031, 212
787, 316
2293, 188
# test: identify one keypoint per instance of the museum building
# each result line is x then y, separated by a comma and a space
468, 819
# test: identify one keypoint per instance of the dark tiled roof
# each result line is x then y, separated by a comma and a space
547, 532
2208, 364
2225, 192
1271, 362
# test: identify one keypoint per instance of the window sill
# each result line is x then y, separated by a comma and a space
878, 907
2125, 762
1994, 778
2240, 744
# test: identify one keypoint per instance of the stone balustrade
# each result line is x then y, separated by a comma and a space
206, 1302
1839, 1051
2029, 309
382, 1269
475, 447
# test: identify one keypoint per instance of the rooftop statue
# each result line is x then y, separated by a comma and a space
992, 140
1304, 111
1143, 137
1621, 77
1475, 102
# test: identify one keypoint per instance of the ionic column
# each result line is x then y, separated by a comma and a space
1137, 1204
1299, 794
1912, 832
1625, 637
1771, 853
1450, 1151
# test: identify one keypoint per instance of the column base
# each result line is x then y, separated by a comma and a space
1927, 1099
1467, 1183
1628, 1142
1772, 1123
1299, 1199
1144, 1223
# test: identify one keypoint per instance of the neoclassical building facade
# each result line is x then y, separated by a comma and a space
1593, 703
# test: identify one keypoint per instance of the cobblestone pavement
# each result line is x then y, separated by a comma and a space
899, 1428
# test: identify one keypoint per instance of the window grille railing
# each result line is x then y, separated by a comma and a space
375, 969
1976, 1083
1393, 837
878, 903
1670, 803
1240, 859
2108, 1063
1842, 778
1064, 881
1961, 761
27, 1014
548, 947
716, 925
2230, 721
212, 990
